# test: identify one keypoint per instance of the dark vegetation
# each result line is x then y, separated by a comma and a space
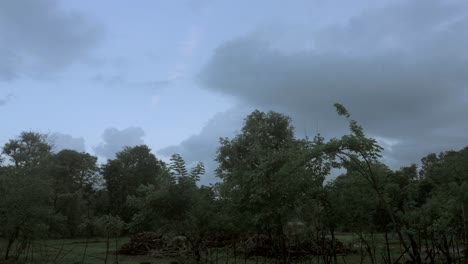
272, 204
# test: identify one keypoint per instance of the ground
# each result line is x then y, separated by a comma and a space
70, 251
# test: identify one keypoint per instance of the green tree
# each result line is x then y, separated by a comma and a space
29, 150
359, 153
267, 173
74, 175
25, 208
132, 167
445, 181
179, 170
178, 207
110, 227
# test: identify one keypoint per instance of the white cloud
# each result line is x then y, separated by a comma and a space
61, 141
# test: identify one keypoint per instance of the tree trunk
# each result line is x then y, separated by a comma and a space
282, 241
465, 217
196, 249
116, 240
10, 243
85, 249
107, 247
387, 247
415, 255
332, 231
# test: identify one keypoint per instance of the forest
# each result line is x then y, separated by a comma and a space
274, 202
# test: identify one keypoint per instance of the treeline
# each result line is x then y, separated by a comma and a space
272, 184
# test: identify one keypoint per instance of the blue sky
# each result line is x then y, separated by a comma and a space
177, 75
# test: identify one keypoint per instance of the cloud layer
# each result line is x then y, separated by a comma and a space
401, 70
38, 36
202, 147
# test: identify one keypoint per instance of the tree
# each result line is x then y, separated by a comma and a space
179, 170
74, 175
179, 207
350, 204
266, 172
132, 167
445, 177
25, 209
110, 227
359, 153
30, 150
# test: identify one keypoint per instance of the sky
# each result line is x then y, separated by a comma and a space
177, 75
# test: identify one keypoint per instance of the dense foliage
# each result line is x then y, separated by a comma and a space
272, 184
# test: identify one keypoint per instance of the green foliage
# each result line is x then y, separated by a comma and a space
74, 175
179, 207
170, 206
177, 166
29, 150
341, 110
197, 171
179, 171
132, 167
109, 225
269, 178
25, 209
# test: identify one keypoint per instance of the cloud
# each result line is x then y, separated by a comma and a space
38, 37
111, 80
401, 70
61, 141
202, 147
199, 5
119, 80
6, 99
192, 42
155, 100
115, 140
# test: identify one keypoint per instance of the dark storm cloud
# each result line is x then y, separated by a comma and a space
402, 71
61, 141
37, 36
115, 140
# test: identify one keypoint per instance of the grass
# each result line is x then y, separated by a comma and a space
71, 251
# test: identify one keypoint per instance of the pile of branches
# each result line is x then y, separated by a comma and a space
321, 247
258, 245
219, 240
262, 245
142, 244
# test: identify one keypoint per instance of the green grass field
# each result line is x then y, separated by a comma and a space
70, 251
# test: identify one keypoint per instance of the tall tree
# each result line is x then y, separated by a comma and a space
74, 175
445, 178
266, 172
180, 172
29, 150
25, 208
179, 207
132, 167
